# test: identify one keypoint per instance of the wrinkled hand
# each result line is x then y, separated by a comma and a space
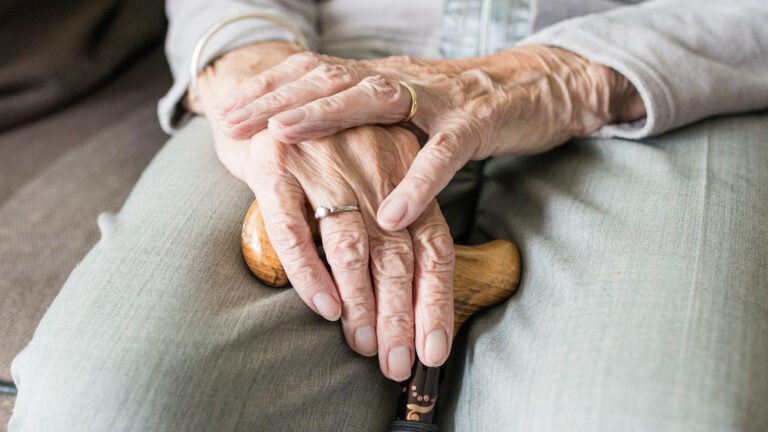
392, 289
519, 101
409, 271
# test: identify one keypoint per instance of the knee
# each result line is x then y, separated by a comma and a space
80, 385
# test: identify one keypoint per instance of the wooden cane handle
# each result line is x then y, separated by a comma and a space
484, 275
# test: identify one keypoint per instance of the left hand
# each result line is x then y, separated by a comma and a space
519, 101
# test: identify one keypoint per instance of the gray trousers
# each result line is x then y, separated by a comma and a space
643, 303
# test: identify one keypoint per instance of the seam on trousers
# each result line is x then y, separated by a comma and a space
701, 226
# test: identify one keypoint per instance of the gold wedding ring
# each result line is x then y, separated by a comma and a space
414, 101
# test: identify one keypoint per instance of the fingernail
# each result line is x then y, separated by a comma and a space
436, 347
399, 362
365, 341
228, 103
393, 211
289, 118
327, 306
238, 116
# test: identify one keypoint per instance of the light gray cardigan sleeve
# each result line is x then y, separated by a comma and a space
688, 59
188, 20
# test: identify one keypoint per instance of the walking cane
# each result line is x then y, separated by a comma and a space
484, 275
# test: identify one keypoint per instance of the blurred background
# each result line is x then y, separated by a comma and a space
79, 84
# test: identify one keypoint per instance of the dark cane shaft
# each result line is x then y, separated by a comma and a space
418, 394
417, 400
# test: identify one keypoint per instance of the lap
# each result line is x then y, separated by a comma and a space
162, 327
640, 306
643, 303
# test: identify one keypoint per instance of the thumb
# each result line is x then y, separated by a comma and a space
434, 166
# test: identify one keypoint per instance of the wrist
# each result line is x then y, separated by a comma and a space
222, 76
626, 105
605, 95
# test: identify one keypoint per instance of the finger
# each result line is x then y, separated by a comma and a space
324, 80
375, 99
281, 200
392, 273
346, 248
434, 166
290, 69
433, 285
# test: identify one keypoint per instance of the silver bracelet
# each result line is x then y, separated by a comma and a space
203, 41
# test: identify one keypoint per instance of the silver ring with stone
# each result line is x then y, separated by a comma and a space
323, 212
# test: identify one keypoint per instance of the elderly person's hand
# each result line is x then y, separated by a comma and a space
392, 289
410, 271
519, 101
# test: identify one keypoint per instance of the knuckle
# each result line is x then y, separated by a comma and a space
398, 322
435, 250
324, 105
347, 250
358, 307
479, 77
258, 83
393, 259
438, 303
306, 276
306, 59
382, 88
445, 148
277, 98
331, 74
421, 181
285, 234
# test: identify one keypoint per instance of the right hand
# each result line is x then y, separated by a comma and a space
389, 288
522, 100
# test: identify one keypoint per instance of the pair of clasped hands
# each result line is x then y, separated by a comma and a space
300, 127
